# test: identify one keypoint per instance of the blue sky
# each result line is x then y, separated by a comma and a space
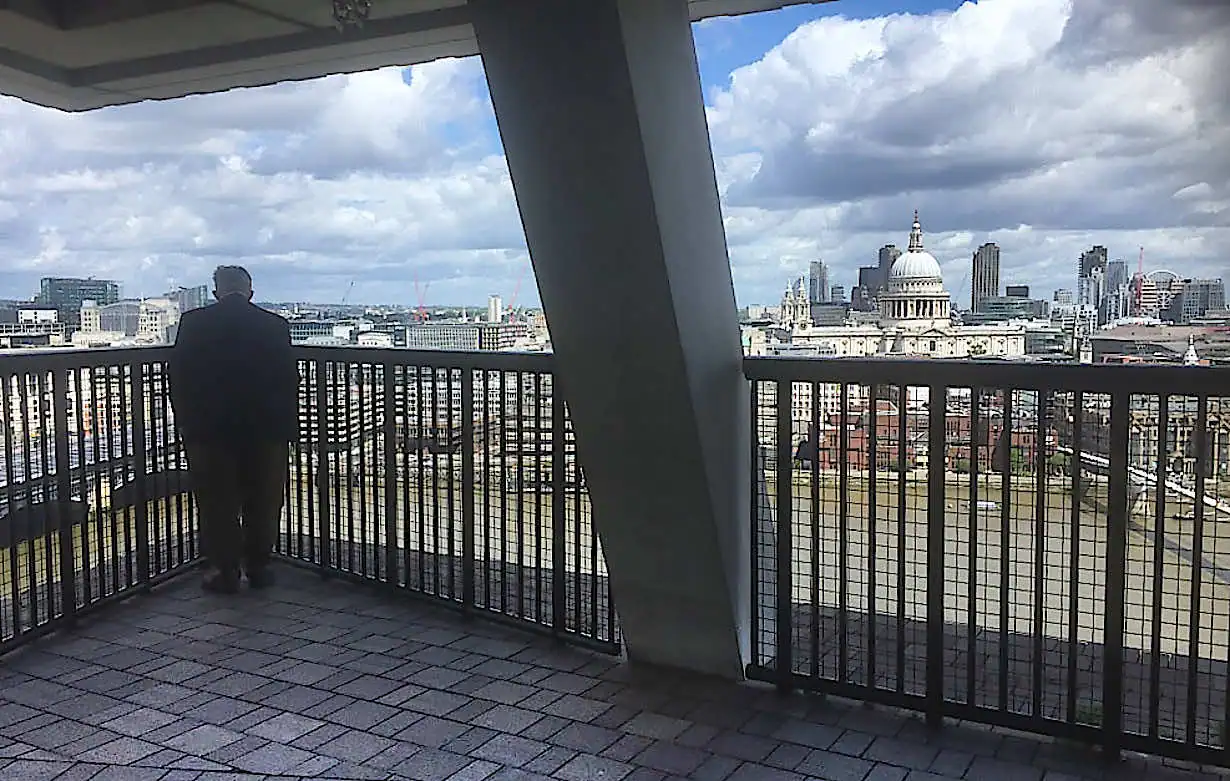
1043, 125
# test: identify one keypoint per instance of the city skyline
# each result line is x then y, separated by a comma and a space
394, 179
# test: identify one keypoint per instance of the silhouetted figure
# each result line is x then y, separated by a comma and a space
234, 384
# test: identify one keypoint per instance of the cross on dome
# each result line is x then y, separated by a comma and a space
916, 242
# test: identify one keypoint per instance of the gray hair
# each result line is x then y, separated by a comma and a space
231, 280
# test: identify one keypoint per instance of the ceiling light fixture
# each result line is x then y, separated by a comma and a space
351, 13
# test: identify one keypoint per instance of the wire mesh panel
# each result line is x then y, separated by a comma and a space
1033, 547
94, 500
452, 475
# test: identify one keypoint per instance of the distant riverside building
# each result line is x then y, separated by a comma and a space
66, 294
465, 336
985, 279
190, 298
495, 309
818, 282
1195, 298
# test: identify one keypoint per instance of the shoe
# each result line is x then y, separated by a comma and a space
260, 578
221, 582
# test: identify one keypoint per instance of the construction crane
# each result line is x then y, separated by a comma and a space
420, 291
512, 304
346, 297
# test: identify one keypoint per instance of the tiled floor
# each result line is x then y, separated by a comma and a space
321, 679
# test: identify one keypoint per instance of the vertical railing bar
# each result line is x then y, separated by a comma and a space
1040, 487
389, 472
434, 449
29, 388
843, 537
352, 387
873, 527
559, 594
902, 499
322, 464
424, 450
140, 469
87, 561
468, 520
450, 426
46, 427
114, 378
487, 477
784, 653
538, 562
1159, 552
100, 523
404, 471
971, 592
15, 390
339, 436
64, 490
758, 466
1200, 440
937, 420
1005, 542
577, 593
814, 438
1074, 545
520, 498
365, 393
1116, 556
504, 516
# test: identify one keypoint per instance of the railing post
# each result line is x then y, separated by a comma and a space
1116, 555
140, 468
389, 472
468, 520
937, 457
64, 489
784, 623
559, 556
322, 465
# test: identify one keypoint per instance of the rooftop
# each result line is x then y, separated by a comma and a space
324, 679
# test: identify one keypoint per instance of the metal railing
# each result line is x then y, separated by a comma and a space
452, 475
90, 507
437, 473
1044, 548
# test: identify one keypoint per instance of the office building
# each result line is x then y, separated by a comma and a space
1092, 259
984, 282
837, 294
1017, 291
495, 309
1194, 298
190, 298
888, 256
818, 283
66, 294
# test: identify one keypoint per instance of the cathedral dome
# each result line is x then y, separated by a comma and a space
916, 265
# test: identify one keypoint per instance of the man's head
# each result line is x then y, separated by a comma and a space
232, 281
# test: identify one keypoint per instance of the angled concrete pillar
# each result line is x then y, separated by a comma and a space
600, 109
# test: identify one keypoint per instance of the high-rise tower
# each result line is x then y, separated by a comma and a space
984, 283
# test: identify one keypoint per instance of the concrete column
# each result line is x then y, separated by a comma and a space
600, 109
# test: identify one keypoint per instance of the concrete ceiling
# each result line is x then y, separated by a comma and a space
83, 54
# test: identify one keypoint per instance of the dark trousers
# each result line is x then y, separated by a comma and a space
231, 482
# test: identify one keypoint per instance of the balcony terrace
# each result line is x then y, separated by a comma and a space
509, 664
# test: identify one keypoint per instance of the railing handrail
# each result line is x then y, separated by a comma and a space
87, 357
1089, 378
453, 359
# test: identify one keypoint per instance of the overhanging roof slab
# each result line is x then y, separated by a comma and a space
78, 55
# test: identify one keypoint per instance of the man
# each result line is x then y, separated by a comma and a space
234, 385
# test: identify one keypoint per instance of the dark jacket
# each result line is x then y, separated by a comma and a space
234, 377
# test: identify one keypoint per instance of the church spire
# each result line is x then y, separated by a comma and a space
916, 242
